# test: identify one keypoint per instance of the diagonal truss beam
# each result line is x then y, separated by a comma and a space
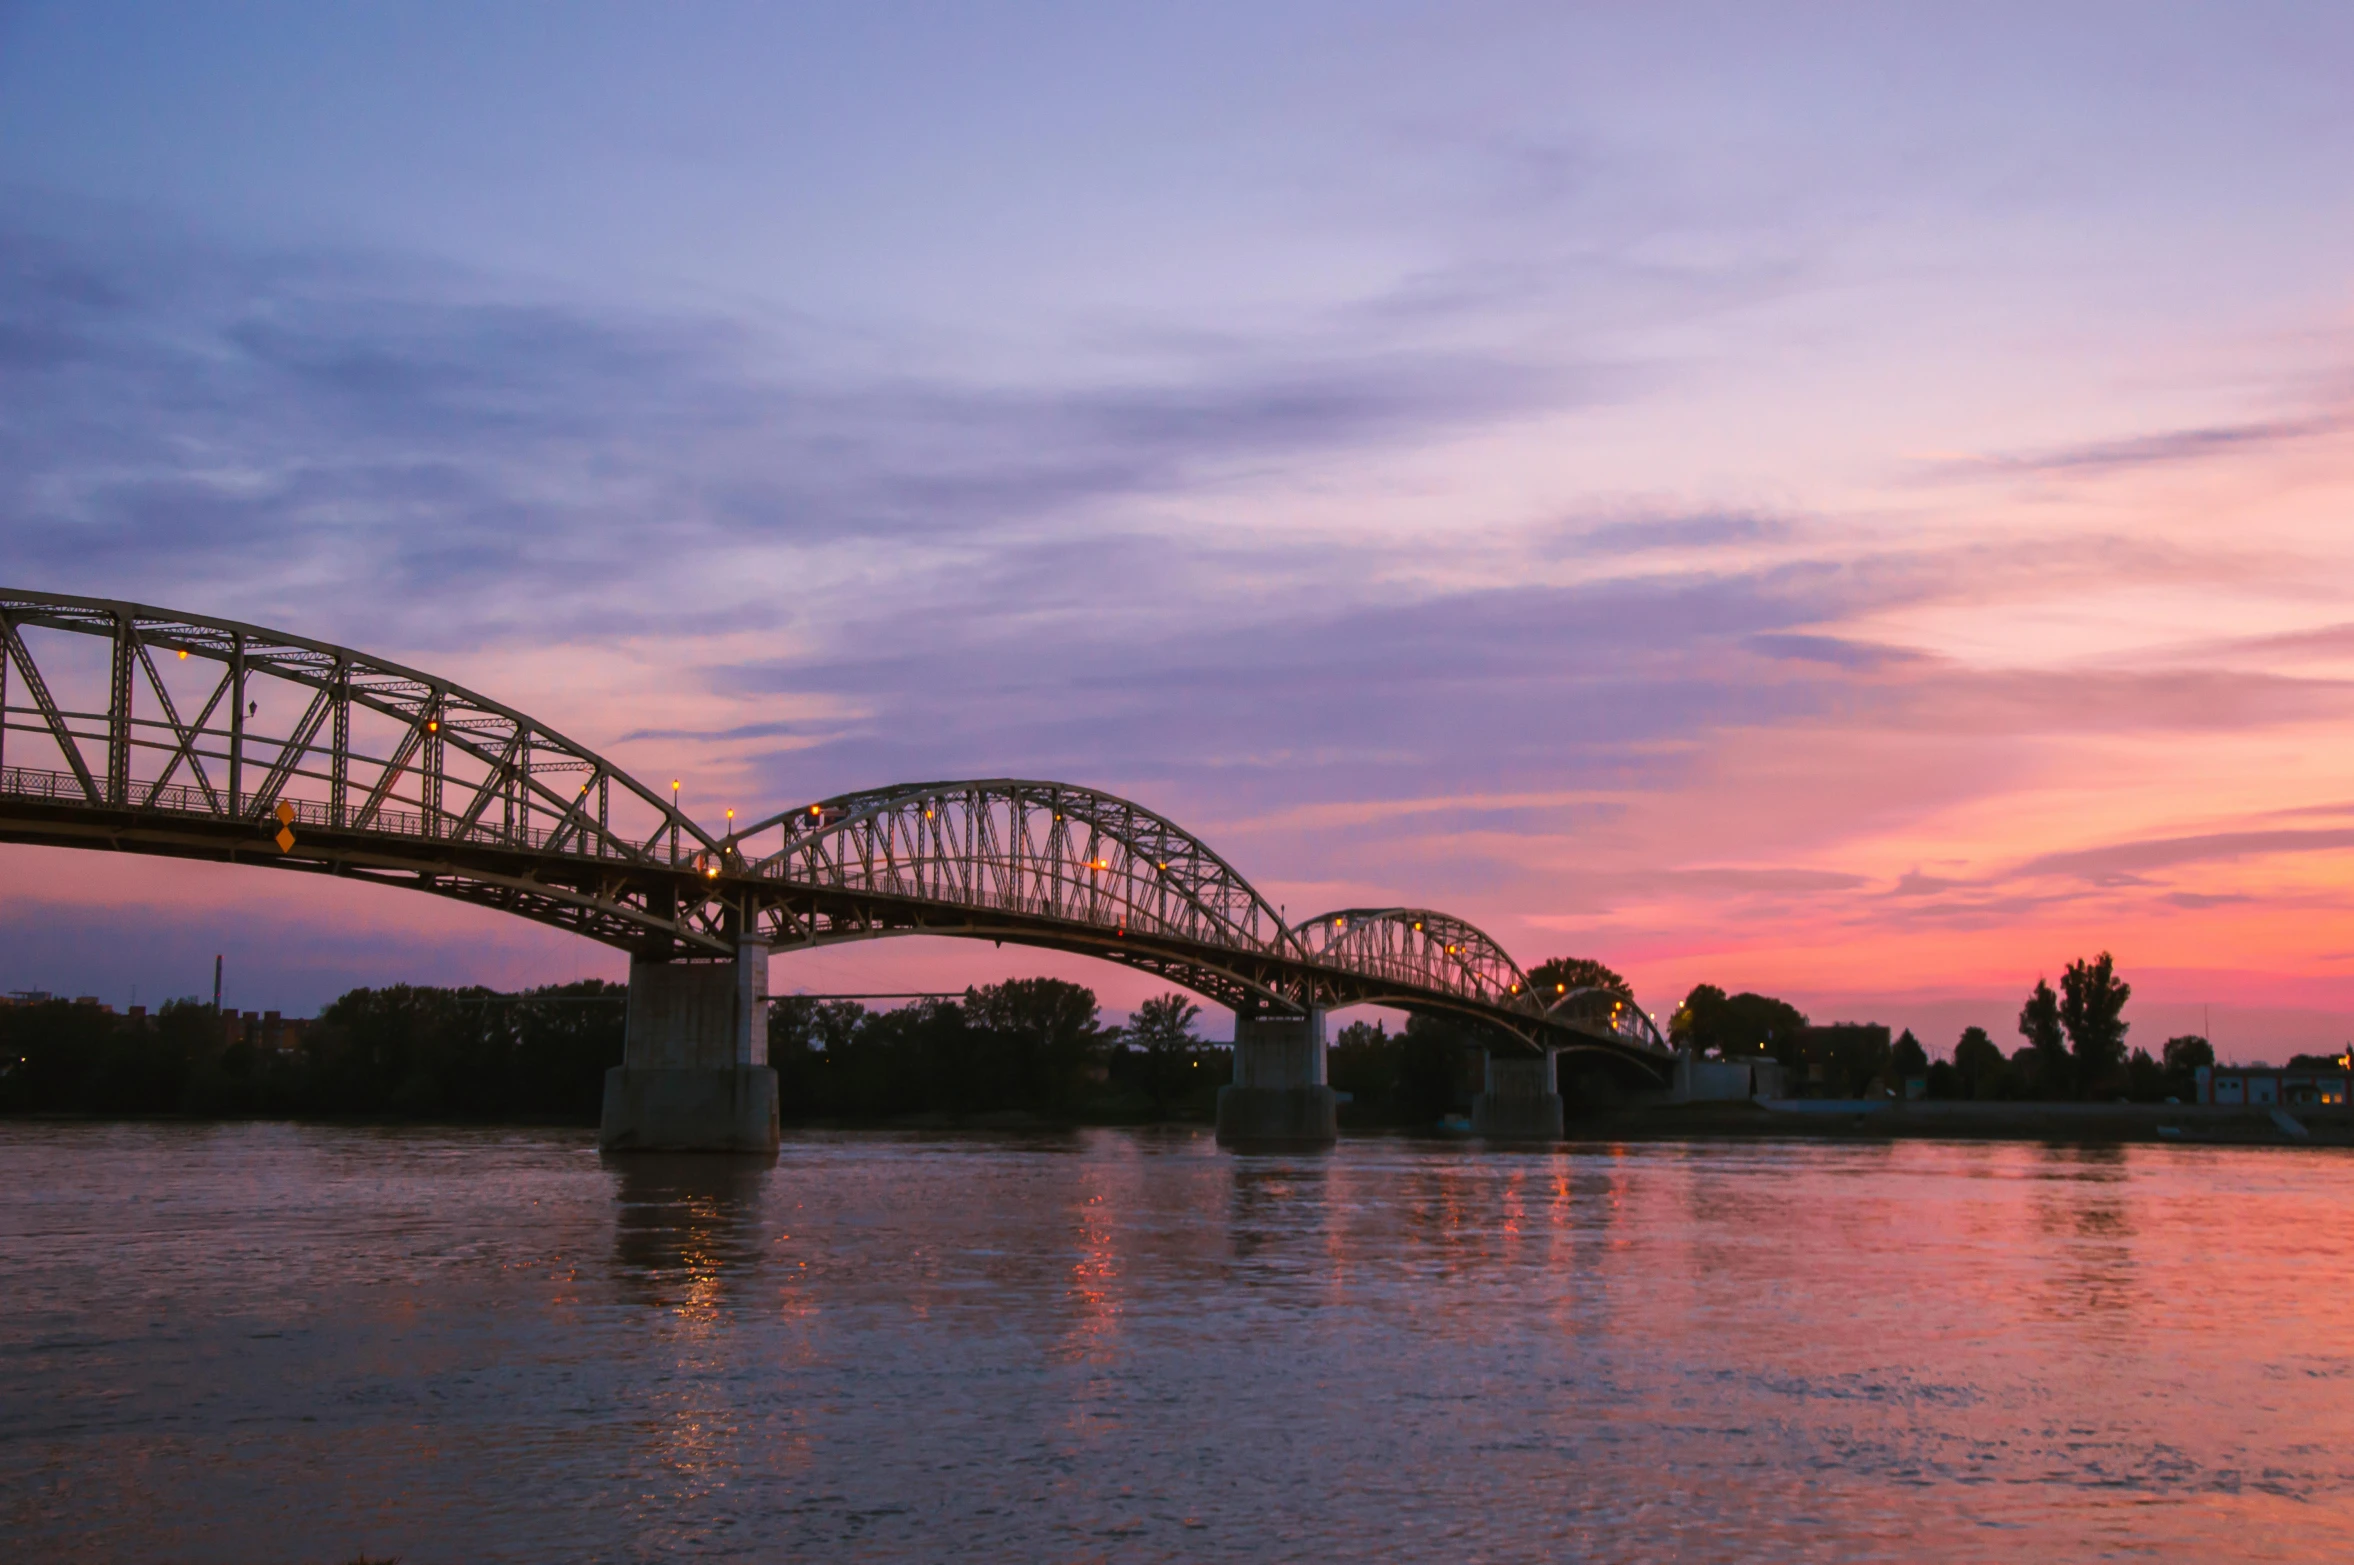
184, 735
402, 754
291, 752
494, 781
58, 727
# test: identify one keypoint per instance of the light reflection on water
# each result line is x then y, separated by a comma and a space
279, 1343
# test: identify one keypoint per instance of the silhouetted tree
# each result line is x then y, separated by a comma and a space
1714, 1022
1021, 1046
2039, 1024
1161, 1029
1700, 1008
52, 1054
2187, 1053
1980, 1063
1055, 1024
1908, 1058
922, 1058
1432, 1052
812, 1045
412, 1052
1566, 973
2092, 1011
2179, 1061
1364, 1062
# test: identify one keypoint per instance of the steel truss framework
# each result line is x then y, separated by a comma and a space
157, 743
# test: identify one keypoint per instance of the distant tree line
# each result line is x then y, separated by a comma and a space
1029, 1048
1023, 1050
1411, 1078
2074, 1046
405, 1052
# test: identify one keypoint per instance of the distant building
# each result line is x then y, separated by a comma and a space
1839, 1059
264, 1031
2266, 1086
1729, 1080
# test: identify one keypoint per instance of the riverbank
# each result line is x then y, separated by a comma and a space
1937, 1119
2163, 1124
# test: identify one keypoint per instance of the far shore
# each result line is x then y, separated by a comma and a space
2157, 1124
1946, 1119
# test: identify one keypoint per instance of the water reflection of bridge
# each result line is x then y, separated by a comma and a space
142, 730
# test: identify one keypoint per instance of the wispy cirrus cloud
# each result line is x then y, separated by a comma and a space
2147, 867
2158, 448
2127, 862
1677, 533
402, 434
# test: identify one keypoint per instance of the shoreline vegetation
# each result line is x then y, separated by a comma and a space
1031, 1054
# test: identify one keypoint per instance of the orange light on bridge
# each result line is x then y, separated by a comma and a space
183, 654
1560, 989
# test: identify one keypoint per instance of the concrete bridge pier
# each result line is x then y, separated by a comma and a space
1279, 1097
1520, 1103
694, 1075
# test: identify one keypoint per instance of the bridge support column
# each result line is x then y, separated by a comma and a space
1279, 1097
694, 1075
1520, 1103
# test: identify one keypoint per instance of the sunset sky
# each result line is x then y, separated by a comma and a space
1810, 499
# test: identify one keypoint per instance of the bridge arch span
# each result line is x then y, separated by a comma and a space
132, 728
359, 766
1605, 1013
1417, 951
1036, 862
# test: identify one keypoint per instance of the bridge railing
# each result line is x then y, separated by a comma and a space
188, 799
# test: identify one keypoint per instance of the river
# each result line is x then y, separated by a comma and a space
259, 1343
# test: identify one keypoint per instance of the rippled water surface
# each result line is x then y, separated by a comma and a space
276, 1343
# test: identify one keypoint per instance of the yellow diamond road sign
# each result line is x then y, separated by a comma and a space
285, 825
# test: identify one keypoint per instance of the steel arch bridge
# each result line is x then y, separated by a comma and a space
143, 730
